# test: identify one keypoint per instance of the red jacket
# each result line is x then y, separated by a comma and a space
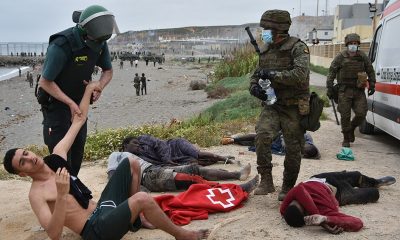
317, 198
201, 199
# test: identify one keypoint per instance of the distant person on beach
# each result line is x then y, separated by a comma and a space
143, 83
316, 202
136, 84
136, 63
70, 60
131, 62
174, 178
58, 198
19, 72
121, 64
30, 80
176, 151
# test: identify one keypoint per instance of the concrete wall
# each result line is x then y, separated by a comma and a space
321, 61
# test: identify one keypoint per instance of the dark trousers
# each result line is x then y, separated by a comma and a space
144, 89
352, 187
55, 125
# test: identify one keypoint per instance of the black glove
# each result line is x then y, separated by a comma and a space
329, 93
258, 92
266, 74
371, 90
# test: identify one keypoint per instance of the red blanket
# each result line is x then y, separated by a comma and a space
200, 200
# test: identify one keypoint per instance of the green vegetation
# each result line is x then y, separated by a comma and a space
319, 69
238, 64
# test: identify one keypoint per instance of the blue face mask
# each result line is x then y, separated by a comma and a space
266, 36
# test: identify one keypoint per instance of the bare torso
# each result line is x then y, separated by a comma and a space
76, 216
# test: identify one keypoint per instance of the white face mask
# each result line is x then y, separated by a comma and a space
352, 47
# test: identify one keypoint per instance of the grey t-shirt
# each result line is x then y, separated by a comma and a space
116, 157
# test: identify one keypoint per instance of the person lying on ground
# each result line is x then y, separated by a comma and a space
313, 202
174, 151
310, 151
57, 200
157, 178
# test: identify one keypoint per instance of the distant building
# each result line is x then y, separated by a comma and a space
356, 18
322, 35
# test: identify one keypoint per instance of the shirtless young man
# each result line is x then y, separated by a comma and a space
120, 203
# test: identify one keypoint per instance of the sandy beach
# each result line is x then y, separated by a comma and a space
168, 97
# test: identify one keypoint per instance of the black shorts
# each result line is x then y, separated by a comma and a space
112, 216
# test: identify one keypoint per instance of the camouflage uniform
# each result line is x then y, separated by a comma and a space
290, 59
350, 97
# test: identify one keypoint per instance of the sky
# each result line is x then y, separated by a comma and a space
36, 20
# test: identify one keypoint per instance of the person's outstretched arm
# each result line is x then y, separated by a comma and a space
65, 144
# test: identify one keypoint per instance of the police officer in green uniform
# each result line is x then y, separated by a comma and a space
284, 60
351, 68
71, 57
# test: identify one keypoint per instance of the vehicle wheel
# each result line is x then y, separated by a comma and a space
366, 128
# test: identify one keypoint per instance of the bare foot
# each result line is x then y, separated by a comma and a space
195, 235
250, 185
146, 223
245, 172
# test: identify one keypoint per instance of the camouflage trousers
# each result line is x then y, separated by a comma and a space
272, 119
351, 99
162, 179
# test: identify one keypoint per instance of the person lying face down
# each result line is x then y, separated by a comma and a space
316, 201
176, 151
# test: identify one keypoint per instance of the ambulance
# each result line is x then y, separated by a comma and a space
384, 105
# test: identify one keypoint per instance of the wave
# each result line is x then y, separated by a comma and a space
7, 73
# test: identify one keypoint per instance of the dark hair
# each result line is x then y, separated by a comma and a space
125, 142
294, 217
7, 161
142, 74
310, 151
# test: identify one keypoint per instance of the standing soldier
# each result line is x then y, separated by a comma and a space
143, 81
351, 68
284, 60
136, 83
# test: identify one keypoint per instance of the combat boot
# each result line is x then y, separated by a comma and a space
266, 185
288, 183
346, 141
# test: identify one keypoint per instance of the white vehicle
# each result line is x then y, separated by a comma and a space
384, 105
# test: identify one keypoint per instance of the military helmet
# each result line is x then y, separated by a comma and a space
352, 37
97, 22
276, 19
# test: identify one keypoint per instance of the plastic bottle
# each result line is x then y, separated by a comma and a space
269, 91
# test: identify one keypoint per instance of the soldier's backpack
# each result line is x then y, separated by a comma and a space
311, 122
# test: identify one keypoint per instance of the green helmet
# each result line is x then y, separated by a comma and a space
352, 37
276, 19
97, 22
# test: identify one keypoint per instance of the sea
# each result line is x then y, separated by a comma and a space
6, 48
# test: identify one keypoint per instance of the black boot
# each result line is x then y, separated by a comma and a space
346, 140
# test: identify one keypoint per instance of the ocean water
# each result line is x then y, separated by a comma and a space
9, 72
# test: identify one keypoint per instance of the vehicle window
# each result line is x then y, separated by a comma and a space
389, 45
375, 43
